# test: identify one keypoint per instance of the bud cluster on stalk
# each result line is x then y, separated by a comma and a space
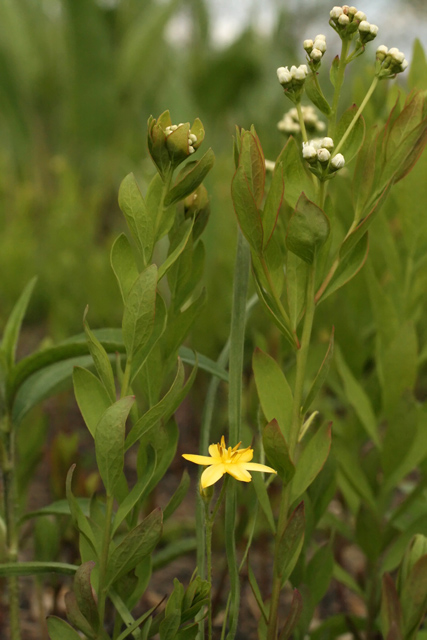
318, 154
315, 50
390, 62
292, 80
348, 20
290, 123
191, 137
171, 144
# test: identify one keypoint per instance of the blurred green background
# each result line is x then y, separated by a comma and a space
78, 80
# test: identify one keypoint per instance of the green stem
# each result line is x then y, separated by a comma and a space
237, 339
356, 117
126, 378
10, 506
103, 564
338, 85
209, 522
301, 122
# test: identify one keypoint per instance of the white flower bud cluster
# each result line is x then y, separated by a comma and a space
315, 48
347, 20
192, 138
319, 150
294, 75
391, 61
290, 123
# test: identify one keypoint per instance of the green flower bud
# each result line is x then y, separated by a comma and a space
197, 206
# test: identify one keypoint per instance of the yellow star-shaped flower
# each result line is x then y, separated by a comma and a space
235, 461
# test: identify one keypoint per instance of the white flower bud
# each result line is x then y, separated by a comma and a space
364, 26
284, 75
327, 143
192, 138
359, 15
335, 12
316, 54
382, 49
308, 45
338, 161
393, 51
320, 126
320, 45
191, 149
352, 11
404, 64
323, 155
270, 165
308, 151
374, 30
299, 73
398, 57
343, 20
320, 36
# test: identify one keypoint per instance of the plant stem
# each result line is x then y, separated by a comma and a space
338, 84
301, 363
209, 522
10, 505
237, 339
301, 122
358, 113
103, 564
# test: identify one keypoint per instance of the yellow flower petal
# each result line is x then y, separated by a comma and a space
255, 466
245, 455
238, 472
211, 475
213, 451
198, 459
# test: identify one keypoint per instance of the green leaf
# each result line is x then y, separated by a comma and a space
13, 325
246, 210
188, 356
368, 533
270, 306
57, 508
138, 316
101, 360
173, 257
308, 229
349, 266
164, 216
334, 70
321, 376
260, 489
391, 610
358, 399
293, 616
354, 141
139, 218
79, 519
159, 327
272, 204
311, 460
414, 597
257, 593
163, 409
36, 568
191, 180
252, 160
319, 573
178, 496
109, 442
290, 543
84, 593
418, 71
399, 366
76, 617
277, 451
136, 494
315, 95
296, 285
297, 180
60, 630
137, 544
91, 396
123, 265
274, 392
347, 459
